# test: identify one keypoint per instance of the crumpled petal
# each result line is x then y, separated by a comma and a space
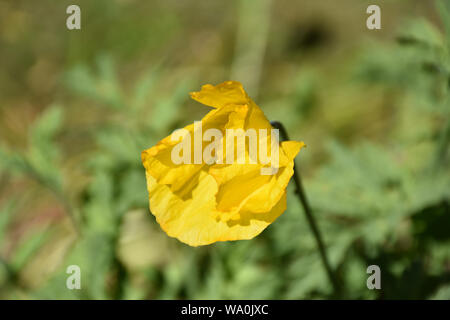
200, 204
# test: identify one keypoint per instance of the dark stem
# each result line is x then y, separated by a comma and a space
308, 213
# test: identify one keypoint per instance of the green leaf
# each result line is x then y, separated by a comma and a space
104, 87
167, 110
47, 125
443, 9
27, 248
5, 217
143, 89
443, 293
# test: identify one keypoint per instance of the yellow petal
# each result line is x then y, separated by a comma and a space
229, 92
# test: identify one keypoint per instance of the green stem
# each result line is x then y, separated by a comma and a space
309, 214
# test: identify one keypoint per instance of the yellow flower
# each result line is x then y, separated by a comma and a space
201, 202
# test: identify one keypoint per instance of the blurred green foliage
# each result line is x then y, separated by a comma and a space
373, 112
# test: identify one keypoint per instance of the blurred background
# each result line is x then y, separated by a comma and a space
78, 107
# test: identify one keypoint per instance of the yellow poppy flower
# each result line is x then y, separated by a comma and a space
201, 202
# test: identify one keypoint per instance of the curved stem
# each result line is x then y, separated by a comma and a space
308, 213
